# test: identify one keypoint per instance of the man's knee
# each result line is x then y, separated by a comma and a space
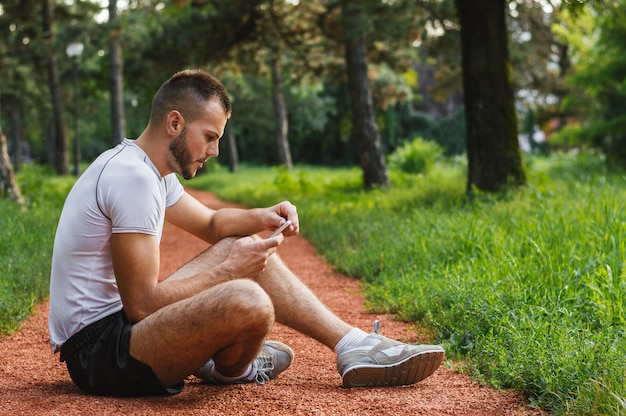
246, 299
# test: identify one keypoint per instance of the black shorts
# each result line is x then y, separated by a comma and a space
99, 362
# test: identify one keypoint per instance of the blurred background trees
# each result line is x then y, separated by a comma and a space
411, 72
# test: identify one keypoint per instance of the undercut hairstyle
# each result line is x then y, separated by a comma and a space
188, 92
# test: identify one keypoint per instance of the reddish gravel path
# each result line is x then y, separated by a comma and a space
33, 382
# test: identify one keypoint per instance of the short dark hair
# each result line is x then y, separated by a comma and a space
188, 91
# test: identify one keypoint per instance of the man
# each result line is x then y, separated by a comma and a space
122, 332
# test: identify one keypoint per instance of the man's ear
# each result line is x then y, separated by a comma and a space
174, 122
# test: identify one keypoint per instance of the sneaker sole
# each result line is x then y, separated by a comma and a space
409, 371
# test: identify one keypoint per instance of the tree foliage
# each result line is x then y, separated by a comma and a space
600, 79
414, 69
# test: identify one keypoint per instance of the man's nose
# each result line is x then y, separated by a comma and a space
213, 149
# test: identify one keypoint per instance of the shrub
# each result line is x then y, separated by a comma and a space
416, 156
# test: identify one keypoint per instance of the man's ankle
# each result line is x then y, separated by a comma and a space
352, 338
227, 379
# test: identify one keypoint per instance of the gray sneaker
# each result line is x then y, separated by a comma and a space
379, 361
274, 358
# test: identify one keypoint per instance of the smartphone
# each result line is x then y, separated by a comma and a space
280, 229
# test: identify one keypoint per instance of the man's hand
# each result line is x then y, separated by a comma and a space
248, 256
276, 215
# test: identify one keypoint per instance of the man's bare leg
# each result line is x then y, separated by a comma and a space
228, 323
295, 305
363, 359
291, 303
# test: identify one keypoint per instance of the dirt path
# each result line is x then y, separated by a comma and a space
33, 382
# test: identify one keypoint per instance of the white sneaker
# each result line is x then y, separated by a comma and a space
379, 361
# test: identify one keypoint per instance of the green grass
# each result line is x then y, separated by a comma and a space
26, 238
526, 289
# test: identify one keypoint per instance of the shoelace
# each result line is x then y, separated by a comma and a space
376, 326
263, 366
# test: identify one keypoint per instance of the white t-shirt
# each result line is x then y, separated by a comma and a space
121, 192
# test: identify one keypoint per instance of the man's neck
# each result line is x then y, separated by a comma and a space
156, 149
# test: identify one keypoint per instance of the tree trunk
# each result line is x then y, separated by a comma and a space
233, 155
493, 150
16, 128
8, 184
116, 77
75, 92
280, 117
49, 141
364, 126
61, 142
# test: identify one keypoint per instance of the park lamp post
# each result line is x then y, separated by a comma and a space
75, 50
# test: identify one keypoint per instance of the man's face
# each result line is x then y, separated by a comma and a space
197, 141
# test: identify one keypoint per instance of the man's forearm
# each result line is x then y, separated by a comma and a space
228, 222
173, 289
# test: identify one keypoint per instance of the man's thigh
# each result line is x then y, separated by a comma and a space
179, 338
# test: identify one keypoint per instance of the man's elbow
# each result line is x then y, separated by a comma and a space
135, 313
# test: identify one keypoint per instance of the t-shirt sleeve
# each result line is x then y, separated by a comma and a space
134, 204
174, 189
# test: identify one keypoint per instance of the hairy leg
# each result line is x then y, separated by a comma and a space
294, 303
298, 307
228, 323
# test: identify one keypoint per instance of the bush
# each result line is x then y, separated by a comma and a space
416, 156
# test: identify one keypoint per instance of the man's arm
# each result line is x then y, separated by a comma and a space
210, 225
136, 266
136, 258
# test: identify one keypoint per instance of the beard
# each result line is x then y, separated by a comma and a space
180, 159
